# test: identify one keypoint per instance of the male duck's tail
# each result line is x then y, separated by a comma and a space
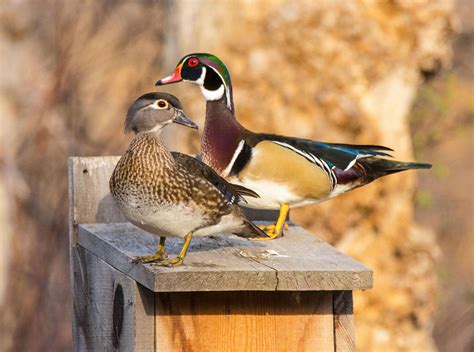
378, 167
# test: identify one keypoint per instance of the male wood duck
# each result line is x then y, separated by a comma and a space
170, 193
284, 171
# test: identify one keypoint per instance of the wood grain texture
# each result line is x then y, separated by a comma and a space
99, 324
344, 334
244, 321
111, 311
297, 262
90, 200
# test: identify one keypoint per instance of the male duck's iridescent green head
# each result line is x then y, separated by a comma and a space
207, 71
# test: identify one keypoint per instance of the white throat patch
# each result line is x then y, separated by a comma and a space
210, 94
213, 94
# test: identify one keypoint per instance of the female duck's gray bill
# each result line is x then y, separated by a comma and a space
182, 119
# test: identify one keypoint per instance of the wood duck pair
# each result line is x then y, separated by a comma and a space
169, 193
284, 171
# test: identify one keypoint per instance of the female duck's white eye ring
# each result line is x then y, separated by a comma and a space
162, 104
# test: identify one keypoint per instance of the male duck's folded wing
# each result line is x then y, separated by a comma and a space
341, 156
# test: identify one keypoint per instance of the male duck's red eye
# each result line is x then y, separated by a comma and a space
193, 62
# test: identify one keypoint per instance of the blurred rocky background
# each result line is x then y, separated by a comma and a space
398, 73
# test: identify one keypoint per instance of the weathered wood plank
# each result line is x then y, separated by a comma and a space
111, 311
244, 321
90, 200
307, 263
297, 262
207, 269
344, 334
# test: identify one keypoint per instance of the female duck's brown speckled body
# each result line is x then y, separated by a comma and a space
160, 195
169, 193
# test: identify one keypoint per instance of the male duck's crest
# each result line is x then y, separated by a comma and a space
209, 72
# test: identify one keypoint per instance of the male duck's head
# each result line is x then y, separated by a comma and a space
152, 111
207, 71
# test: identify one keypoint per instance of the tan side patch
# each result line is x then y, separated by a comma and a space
275, 163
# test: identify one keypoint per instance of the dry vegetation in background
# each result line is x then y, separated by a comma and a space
70, 70
443, 132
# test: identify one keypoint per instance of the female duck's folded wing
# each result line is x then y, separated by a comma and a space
194, 166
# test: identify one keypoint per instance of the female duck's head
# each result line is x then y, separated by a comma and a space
152, 111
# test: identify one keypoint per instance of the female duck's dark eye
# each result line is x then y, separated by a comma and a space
193, 62
162, 104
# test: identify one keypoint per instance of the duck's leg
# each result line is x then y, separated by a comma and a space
160, 254
179, 259
276, 230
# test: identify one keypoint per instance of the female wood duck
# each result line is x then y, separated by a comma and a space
284, 171
170, 193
